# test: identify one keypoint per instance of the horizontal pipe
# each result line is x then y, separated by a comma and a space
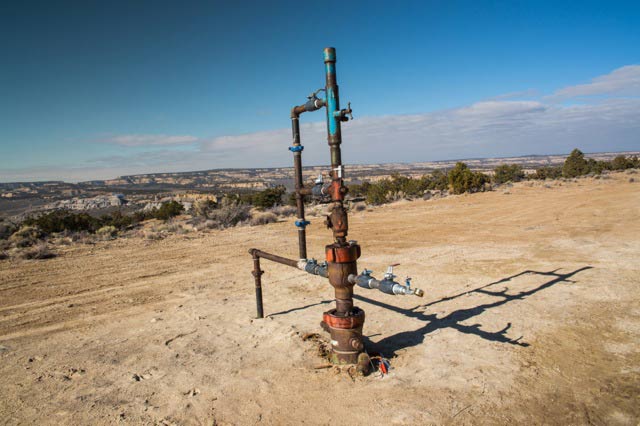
314, 268
310, 106
387, 286
274, 258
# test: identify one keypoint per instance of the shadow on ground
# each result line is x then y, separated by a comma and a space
390, 345
288, 311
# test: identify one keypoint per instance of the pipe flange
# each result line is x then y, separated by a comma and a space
355, 320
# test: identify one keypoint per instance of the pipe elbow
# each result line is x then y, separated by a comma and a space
296, 111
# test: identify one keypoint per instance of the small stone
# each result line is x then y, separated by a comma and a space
192, 392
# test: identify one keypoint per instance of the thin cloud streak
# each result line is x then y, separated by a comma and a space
491, 128
624, 81
152, 140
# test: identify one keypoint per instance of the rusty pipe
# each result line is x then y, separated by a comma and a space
296, 148
274, 258
334, 132
313, 104
257, 273
309, 266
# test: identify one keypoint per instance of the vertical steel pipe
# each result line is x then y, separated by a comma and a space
333, 107
257, 273
297, 171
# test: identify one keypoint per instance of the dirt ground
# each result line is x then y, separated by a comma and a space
531, 315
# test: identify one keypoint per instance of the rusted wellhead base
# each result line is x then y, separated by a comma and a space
347, 346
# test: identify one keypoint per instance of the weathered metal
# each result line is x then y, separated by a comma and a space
296, 148
274, 258
345, 321
257, 273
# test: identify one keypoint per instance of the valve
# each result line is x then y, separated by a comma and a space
314, 95
387, 284
343, 113
348, 111
389, 275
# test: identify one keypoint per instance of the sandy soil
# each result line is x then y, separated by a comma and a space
531, 315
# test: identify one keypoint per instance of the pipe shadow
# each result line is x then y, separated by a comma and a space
390, 345
300, 308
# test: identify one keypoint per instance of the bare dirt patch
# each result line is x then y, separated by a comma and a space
530, 316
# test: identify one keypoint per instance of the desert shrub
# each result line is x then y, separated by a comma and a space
597, 167
575, 165
118, 220
165, 212
508, 173
175, 228
26, 236
6, 229
197, 222
284, 211
39, 251
153, 235
230, 214
202, 208
210, 224
377, 194
291, 199
263, 219
64, 220
358, 207
398, 187
462, 179
438, 181
548, 172
168, 210
106, 232
80, 237
621, 162
359, 189
268, 198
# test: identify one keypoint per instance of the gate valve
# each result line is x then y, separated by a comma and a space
407, 282
348, 112
343, 113
389, 275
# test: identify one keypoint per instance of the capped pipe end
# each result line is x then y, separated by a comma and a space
329, 54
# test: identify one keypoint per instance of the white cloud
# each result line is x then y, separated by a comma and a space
489, 128
492, 128
152, 140
624, 81
498, 108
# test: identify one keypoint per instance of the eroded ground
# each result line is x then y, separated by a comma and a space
530, 316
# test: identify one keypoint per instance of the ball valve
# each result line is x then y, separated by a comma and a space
387, 284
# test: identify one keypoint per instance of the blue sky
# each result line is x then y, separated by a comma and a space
94, 89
